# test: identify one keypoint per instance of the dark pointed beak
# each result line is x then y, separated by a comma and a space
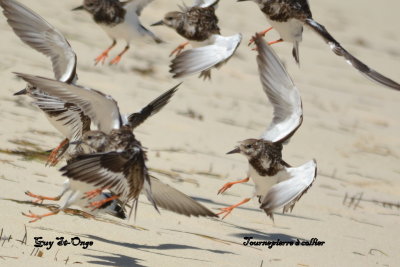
78, 8
158, 23
236, 150
21, 92
78, 142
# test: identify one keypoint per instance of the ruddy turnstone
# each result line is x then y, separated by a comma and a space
199, 25
114, 158
40, 35
288, 18
102, 200
120, 20
276, 183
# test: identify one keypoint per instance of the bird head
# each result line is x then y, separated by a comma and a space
171, 19
29, 88
95, 140
249, 147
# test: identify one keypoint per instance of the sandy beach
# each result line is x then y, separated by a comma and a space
351, 127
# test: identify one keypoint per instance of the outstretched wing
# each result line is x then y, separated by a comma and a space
204, 58
135, 119
340, 51
65, 117
33, 30
121, 172
281, 92
288, 192
171, 199
101, 109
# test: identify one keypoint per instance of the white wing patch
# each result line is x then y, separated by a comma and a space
281, 92
288, 192
204, 58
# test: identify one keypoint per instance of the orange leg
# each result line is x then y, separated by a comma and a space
38, 217
228, 210
117, 59
229, 185
275, 42
104, 55
39, 198
94, 193
97, 204
52, 159
263, 33
179, 49
271, 43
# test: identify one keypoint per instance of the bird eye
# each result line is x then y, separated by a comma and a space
89, 137
169, 18
248, 146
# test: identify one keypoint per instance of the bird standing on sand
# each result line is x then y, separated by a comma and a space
120, 20
199, 25
276, 183
288, 18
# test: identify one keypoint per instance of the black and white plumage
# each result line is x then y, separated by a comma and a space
115, 160
199, 25
120, 20
36, 32
276, 183
66, 117
288, 18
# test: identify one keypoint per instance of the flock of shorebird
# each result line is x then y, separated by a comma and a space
105, 163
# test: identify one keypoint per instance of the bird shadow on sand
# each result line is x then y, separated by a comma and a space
114, 260
157, 248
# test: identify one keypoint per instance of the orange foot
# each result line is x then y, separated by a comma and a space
94, 193
53, 158
229, 185
263, 33
98, 204
101, 58
38, 217
39, 198
228, 210
179, 49
115, 60
104, 55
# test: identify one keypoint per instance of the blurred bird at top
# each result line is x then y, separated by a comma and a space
288, 17
120, 20
199, 25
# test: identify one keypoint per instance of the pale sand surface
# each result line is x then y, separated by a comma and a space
351, 127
